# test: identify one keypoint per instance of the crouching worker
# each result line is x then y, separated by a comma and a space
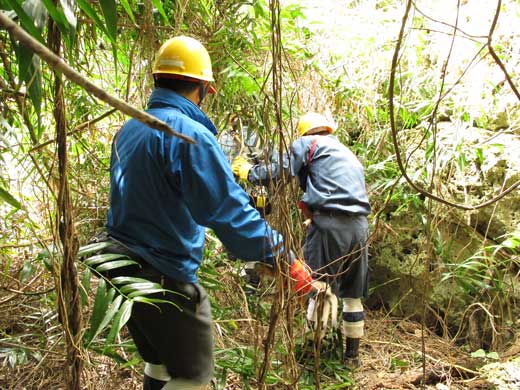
336, 207
164, 192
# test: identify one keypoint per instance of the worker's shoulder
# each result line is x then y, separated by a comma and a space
184, 124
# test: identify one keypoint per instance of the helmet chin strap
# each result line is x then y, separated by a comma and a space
203, 91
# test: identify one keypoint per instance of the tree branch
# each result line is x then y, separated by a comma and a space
57, 63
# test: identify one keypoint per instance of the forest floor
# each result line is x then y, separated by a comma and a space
391, 359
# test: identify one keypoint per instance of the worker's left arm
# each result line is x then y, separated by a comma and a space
262, 173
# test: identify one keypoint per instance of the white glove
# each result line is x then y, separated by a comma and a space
330, 307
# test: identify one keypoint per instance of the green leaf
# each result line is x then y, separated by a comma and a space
154, 301
110, 313
146, 291
121, 318
27, 271
511, 243
92, 13
100, 305
128, 10
115, 264
26, 21
127, 279
7, 197
103, 258
139, 287
63, 23
110, 13
479, 353
158, 4
91, 248
493, 355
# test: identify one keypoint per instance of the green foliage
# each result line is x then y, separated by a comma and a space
481, 354
7, 197
485, 275
114, 298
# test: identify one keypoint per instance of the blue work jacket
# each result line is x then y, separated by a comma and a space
164, 191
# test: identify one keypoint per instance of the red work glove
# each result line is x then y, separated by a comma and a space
301, 276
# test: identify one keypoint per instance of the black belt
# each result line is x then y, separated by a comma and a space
335, 213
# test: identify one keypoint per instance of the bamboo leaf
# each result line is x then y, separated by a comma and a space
91, 248
100, 305
128, 10
7, 197
127, 279
108, 7
30, 73
146, 291
115, 264
158, 4
139, 287
69, 11
110, 313
92, 13
103, 258
26, 21
63, 22
120, 320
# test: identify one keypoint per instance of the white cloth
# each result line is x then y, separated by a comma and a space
353, 329
156, 371
330, 307
181, 384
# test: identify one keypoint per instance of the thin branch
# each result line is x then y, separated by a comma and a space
495, 55
82, 126
391, 87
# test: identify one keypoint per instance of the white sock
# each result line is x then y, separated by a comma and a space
182, 384
157, 371
353, 329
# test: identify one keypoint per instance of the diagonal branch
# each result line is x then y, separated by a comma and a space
57, 63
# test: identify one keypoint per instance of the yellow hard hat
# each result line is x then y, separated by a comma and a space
184, 57
312, 122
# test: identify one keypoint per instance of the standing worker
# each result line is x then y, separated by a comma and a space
336, 207
164, 192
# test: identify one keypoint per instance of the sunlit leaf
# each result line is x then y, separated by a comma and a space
104, 257
26, 20
127, 279
479, 353
93, 14
140, 286
115, 264
146, 291
158, 4
110, 313
63, 23
100, 305
92, 248
128, 9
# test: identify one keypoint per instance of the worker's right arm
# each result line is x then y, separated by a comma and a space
215, 200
